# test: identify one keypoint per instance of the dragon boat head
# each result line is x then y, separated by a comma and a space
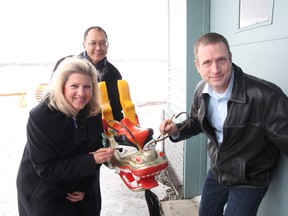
135, 158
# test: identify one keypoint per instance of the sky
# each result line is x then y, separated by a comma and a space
41, 31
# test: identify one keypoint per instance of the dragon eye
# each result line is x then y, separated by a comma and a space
123, 150
120, 149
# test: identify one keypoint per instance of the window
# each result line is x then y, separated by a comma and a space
254, 13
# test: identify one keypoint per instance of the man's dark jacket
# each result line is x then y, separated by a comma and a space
56, 161
255, 129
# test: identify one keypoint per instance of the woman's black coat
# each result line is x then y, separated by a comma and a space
56, 161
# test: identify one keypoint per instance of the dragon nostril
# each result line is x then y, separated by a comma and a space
138, 160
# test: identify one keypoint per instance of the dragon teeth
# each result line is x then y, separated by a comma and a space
134, 184
137, 178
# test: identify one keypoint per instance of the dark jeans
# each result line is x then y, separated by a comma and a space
241, 201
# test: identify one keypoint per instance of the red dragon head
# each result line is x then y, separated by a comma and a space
135, 159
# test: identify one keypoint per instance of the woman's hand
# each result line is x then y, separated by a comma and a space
103, 155
76, 196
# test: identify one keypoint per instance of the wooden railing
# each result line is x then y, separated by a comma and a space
22, 97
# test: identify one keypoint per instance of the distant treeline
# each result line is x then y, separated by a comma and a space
53, 62
25, 64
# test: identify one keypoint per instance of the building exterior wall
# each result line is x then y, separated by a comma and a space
176, 100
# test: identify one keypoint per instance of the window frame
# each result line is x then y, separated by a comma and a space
269, 21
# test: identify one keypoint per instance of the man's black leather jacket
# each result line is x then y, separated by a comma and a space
254, 133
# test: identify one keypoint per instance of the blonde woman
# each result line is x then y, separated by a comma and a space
59, 171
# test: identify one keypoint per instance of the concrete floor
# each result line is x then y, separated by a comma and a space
183, 207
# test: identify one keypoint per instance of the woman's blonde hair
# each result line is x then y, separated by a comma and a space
69, 66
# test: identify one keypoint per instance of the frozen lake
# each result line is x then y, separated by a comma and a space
147, 79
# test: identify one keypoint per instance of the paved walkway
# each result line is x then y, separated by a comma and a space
183, 207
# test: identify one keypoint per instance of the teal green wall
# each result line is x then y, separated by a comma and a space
195, 155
